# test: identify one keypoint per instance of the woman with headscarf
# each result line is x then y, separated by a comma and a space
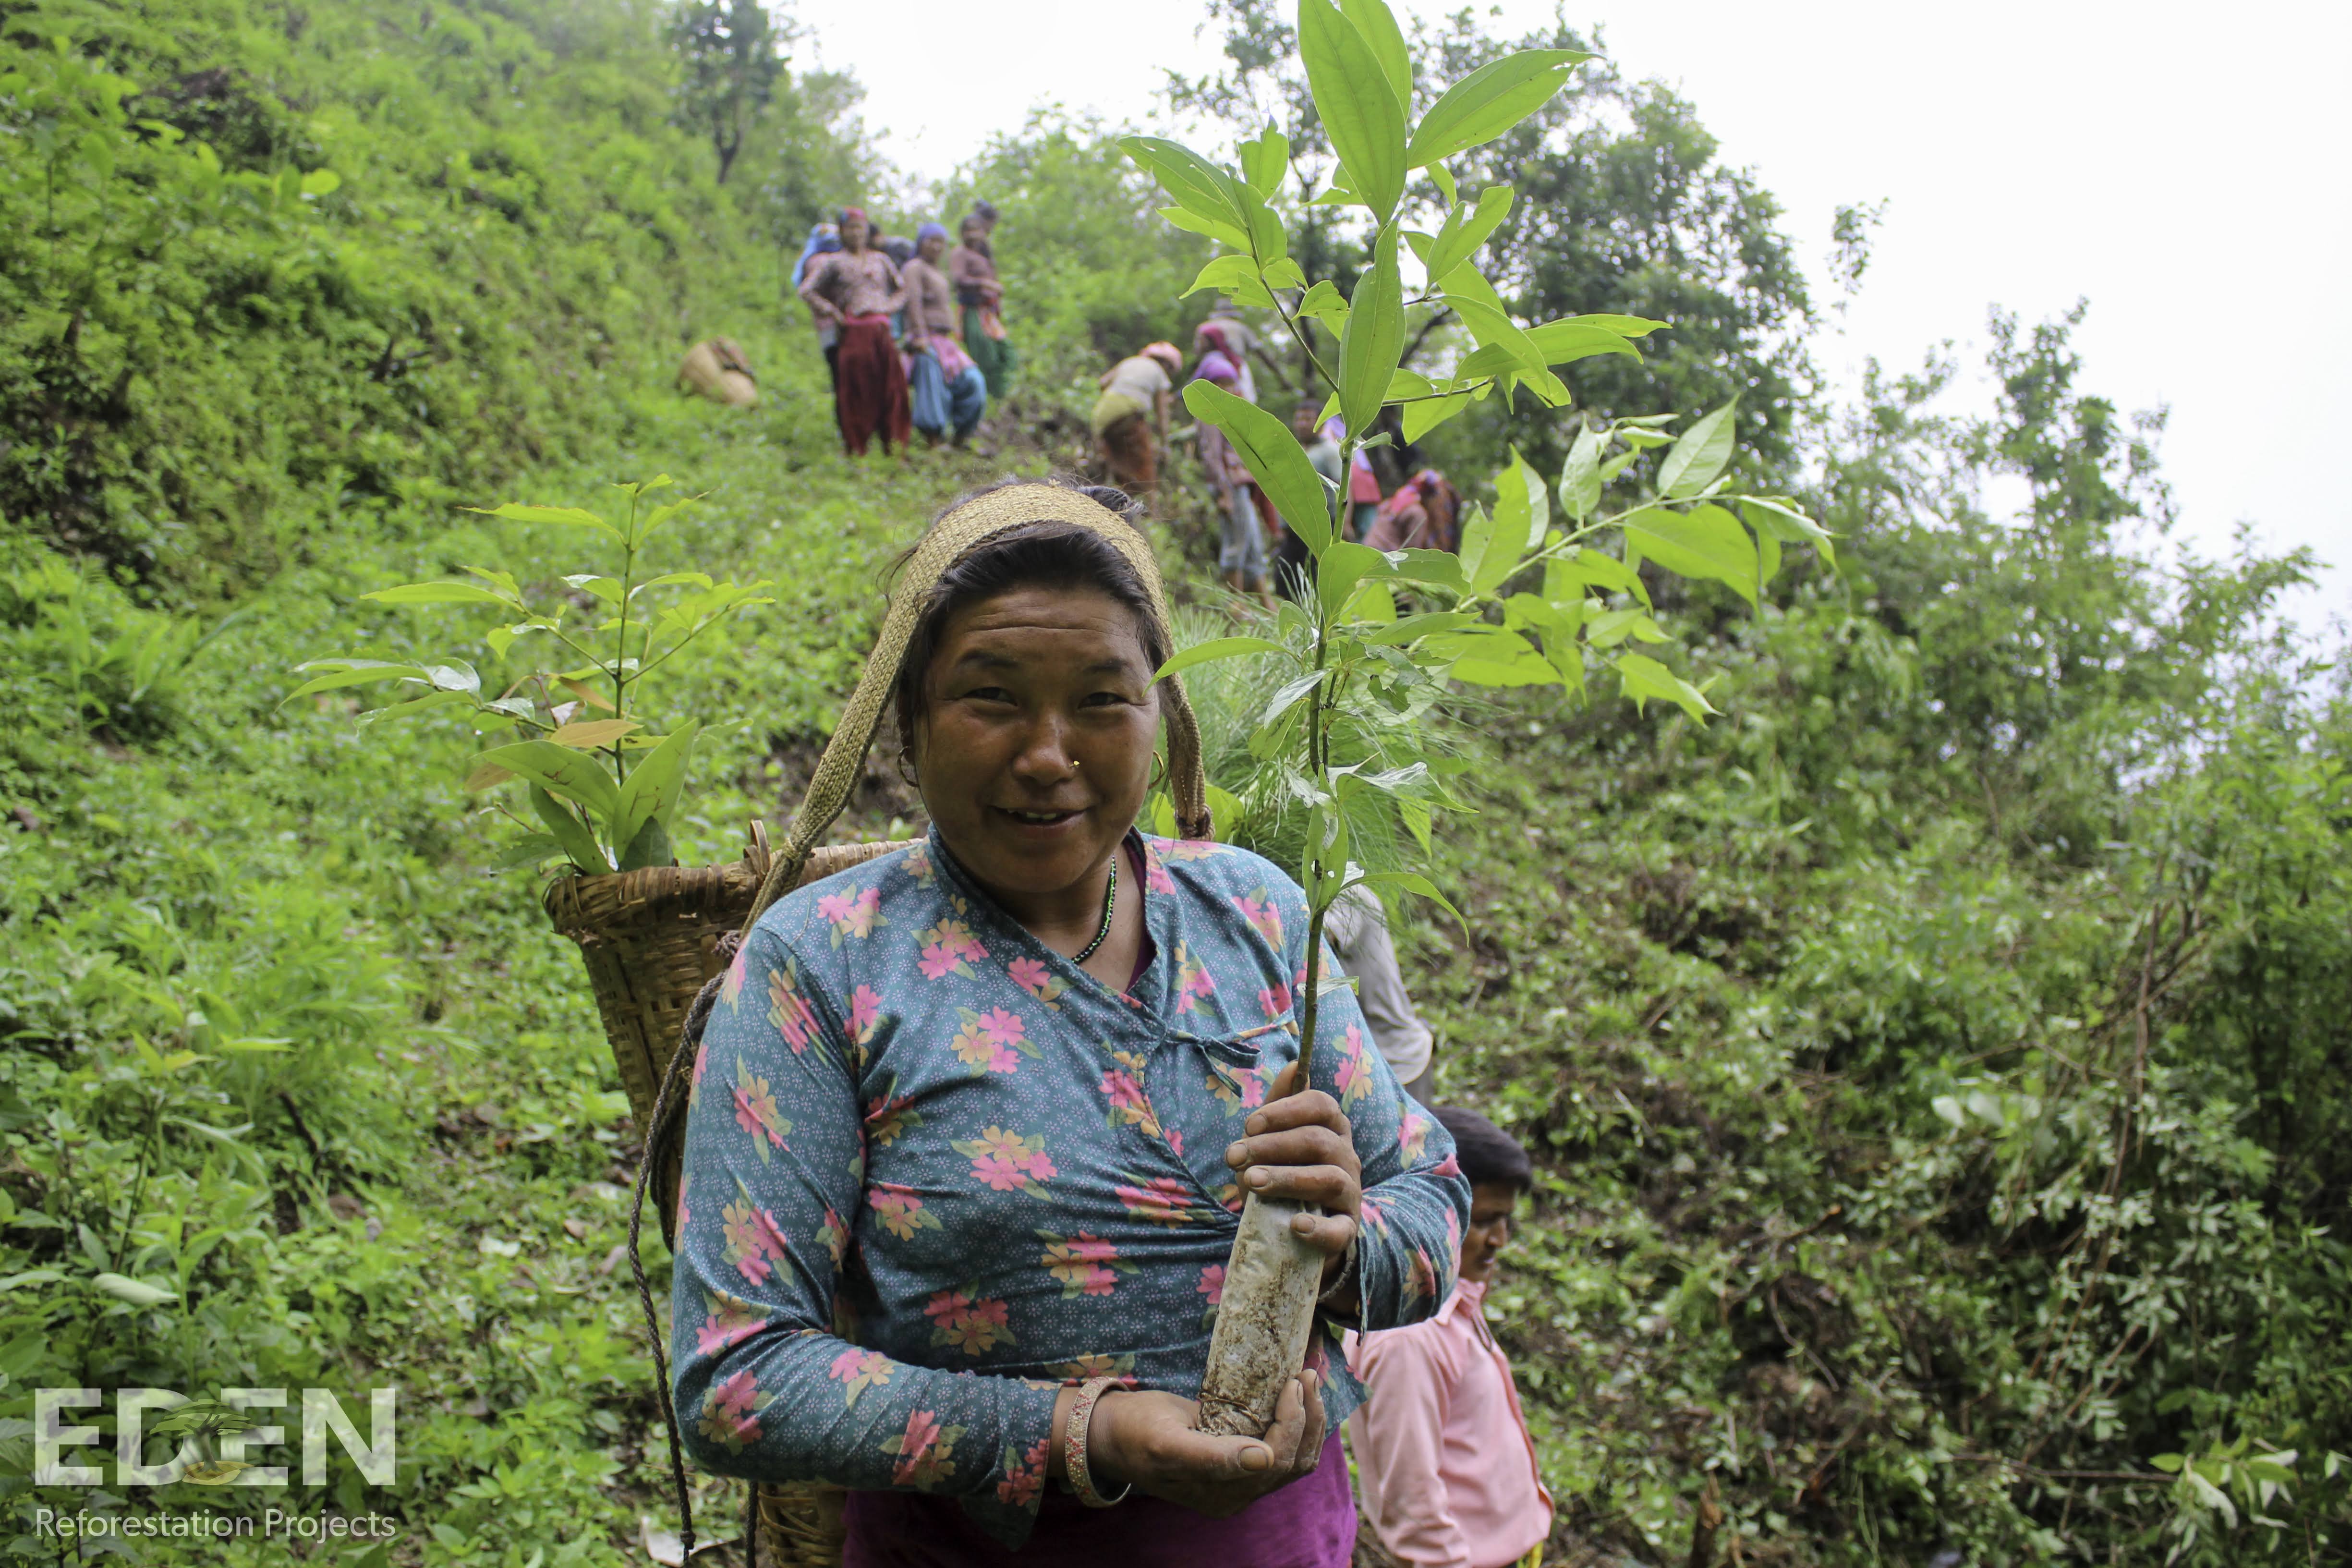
857, 289
1132, 409
970, 1123
972, 267
946, 388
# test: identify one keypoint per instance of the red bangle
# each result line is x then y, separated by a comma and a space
1074, 1444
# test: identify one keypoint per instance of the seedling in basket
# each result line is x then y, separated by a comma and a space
603, 787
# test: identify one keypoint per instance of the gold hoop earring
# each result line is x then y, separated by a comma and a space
906, 772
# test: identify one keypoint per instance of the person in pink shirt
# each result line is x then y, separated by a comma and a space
1444, 1460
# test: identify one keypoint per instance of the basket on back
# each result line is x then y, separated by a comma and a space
650, 941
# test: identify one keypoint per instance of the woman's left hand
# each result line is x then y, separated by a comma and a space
1301, 1147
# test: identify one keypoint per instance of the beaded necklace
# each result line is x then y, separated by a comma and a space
1111, 902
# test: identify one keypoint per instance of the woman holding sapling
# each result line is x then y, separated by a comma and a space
969, 1123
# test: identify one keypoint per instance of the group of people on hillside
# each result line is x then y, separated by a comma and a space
912, 329
1416, 509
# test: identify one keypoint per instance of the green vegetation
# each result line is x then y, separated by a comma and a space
1936, 1058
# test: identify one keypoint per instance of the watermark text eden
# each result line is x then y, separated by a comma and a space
322, 1414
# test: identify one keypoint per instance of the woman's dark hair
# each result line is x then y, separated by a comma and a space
1043, 554
1486, 1153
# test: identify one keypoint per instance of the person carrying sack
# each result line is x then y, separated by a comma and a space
968, 1124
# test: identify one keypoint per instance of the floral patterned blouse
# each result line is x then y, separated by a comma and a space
934, 1171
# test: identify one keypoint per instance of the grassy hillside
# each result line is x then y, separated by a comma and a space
1936, 1065
272, 270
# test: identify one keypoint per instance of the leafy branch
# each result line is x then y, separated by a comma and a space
561, 754
1520, 601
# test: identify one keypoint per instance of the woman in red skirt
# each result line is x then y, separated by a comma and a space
858, 288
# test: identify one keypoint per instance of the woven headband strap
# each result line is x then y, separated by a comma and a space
949, 541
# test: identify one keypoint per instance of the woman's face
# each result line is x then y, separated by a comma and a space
971, 230
1034, 753
933, 247
853, 234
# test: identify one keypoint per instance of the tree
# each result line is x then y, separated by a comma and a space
733, 52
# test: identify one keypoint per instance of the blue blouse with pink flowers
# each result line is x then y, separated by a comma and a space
934, 1171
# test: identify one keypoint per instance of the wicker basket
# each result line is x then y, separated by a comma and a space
649, 939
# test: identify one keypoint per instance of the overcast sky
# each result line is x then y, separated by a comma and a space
2185, 170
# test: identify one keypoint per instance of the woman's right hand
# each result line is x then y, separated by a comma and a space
1145, 1438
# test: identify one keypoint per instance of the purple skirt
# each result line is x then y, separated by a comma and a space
1310, 1524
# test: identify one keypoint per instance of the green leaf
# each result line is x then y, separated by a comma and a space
593, 734
1443, 178
1274, 457
1287, 694
436, 594
138, 1293
1371, 603
1494, 550
1413, 627
1698, 456
1324, 301
530, 850
1266, 160
1776, 519
1378, 25
1522, 667
1191, 222
652, 789
1706, 543
1643, 677
1360, 112
322, 183
1214, 649
574, 776
414, 705
1414, 881
349, 672
1438, 568
1339, 568
1487, 102
571, 834
570, 516
1426, 415
1203, 191
1374, 339
1236, 275
1607, 572
1564, 343
1579, 476
1465, 231
1623, 326
650, 847
1473, 298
